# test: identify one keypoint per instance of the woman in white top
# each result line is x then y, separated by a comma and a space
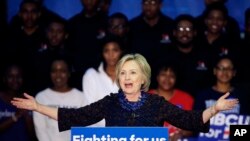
97, 83
59, 95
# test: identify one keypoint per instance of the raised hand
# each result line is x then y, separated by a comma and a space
28, 103
223, 104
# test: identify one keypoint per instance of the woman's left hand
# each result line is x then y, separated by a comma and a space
223, 104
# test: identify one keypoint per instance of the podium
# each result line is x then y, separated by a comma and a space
119, 134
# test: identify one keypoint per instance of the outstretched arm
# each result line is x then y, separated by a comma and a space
221, 104
195, 120
29, 103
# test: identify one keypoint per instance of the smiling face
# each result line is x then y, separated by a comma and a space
224, 71
130, 78
215, 21
59, 74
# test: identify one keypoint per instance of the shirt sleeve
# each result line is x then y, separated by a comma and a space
83, 116
187, 120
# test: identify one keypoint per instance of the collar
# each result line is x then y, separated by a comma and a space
131, 106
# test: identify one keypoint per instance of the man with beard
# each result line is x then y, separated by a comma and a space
191, 63
150, 30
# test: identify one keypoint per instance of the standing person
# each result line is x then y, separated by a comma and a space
61, 94
166, 79
52, 47
25, 39
132, 106
118, 25
231, 29
15, 124
215, 41
192, 63
85, 29
46, 15
224, 72
150, 30
99, 82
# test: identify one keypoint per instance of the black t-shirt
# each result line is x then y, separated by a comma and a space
84, 33
193, 69
146, 40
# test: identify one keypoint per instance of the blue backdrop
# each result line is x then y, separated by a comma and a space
172, 8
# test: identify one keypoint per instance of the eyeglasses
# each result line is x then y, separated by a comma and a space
181, 29
224, 68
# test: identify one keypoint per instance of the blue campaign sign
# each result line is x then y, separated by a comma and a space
219, 126
119, 134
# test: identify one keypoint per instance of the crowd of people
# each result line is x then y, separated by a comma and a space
72, 63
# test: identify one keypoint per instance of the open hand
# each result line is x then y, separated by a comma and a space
223, 104
28, 103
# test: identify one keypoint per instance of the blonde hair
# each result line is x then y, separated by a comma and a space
143, 64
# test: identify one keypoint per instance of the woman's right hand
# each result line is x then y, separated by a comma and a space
28, 103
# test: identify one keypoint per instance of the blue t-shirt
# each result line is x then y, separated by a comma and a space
209, 96
18, 131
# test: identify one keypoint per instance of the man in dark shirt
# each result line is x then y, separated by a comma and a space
150, 30
24, 40
215, 40
232, 27
192, 64
53, 47
85, 29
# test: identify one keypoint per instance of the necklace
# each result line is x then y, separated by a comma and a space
131, 106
